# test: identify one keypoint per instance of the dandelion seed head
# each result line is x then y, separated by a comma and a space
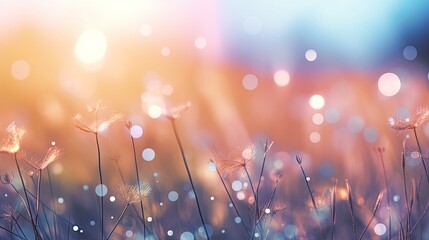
235, 160
53, 154
131, 194
12, 143
420, 117
176, 112
98, 125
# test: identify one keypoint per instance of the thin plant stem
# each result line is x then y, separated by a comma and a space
22, 198
19, 227
14, 234
421, 154
189, 175
377, 204
69, 226
268, 205
420, 219
138, 184
39, 180
121, 175
117, 222
36, 232
48, 225
352, 213
54, 212
389, 232
260, 178
43, 230
101, 186
334, 200
299, 161
254, 195
232, 201
404, 178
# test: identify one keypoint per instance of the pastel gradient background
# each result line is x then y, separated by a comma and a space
309, 75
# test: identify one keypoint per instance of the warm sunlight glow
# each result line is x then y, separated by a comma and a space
91, 47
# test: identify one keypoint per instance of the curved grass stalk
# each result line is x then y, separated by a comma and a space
119, 220
377, 204
138, 184
100, 175
36, 232
232, 201
299, 161
185, 162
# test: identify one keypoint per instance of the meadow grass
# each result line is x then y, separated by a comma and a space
263, 208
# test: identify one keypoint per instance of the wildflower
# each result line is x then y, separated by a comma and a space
133, 194
235, 160
7, 178
421, 116
13, 141
53, 154
278, 207
175, 112
8, 212
96, 126
128, 124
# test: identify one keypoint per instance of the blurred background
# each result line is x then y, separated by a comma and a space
320, 79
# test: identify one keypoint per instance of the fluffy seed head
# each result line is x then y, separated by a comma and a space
421, 116
12, 143
96, 126
53, 154
132, 194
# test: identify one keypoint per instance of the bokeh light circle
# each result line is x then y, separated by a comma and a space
20, 70
380, 229
173, 196
317, 101
315, 137
101, 190
250, 82
389, 84
318, 119
281, 78
237, 185
91, 46
410, 53
136, 131
148, 154
355, 124
200, 42
165, 51
146, 30
310, 55
154, 111
187, 236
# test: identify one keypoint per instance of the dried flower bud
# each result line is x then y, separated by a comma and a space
7, 178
